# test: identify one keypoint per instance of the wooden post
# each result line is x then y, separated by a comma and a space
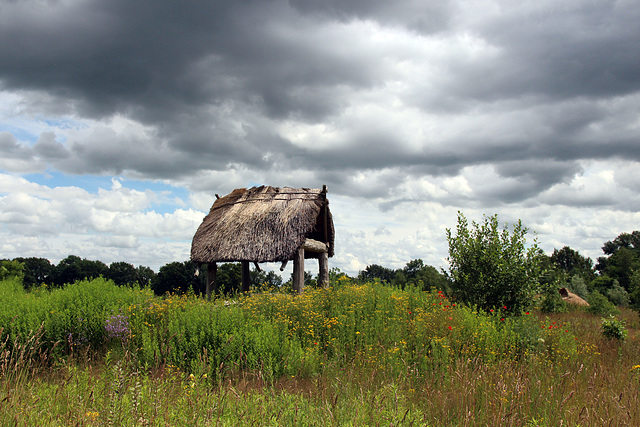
246, 277
212, 273
323, 264
298, 271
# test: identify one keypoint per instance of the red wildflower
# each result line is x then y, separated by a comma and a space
504, 307
450, 328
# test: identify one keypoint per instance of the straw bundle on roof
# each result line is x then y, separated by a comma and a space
572, 298
263, 224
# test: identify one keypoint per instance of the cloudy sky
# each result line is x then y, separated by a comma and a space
120, 120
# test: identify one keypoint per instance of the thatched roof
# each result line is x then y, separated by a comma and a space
572, 298
263, 224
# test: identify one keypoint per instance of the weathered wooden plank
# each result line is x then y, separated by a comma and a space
314, 246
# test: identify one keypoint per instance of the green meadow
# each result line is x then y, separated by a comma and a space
358, 353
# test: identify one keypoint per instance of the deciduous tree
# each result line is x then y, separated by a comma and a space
493, 268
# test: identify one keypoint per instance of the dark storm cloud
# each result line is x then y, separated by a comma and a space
215, 83
572, 49
419, 15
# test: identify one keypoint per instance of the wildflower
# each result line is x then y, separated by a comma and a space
450, 328
504, 307
491, 310
117, 327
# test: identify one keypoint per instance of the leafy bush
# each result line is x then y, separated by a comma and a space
578, 286
618, 295
613, 328
492, 268
10, 269
599, 304
552, 302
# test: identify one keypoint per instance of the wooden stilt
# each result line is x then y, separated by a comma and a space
212, 273
246, 277
323, 274
298, 271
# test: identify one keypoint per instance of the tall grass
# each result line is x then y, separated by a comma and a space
353, 354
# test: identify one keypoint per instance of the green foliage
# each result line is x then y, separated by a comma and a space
415, 273
377, 272
73, 268
578, 286
492, 268
634, 297
613, 328
618, 295
622, 258
552, 301
122, 273
274, 333
599, 304
72, 317
36, 271
178, 277
572, 263
601, 284
179, 360
10, 269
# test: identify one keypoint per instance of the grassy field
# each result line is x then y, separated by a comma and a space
355, 354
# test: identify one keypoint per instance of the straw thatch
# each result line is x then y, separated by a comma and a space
571, 298
263, 224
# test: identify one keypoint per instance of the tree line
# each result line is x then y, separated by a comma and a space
494, 268
178, 277
489, 267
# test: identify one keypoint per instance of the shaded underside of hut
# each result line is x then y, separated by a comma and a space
264, 224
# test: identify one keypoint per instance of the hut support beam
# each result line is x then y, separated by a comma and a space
323, 265
212, 273
246, 277
298, 271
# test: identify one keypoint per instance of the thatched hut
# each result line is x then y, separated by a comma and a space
266, 224
571, 298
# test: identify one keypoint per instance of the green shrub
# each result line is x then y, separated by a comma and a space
618, 295
613, 328
578, 286
493, 268
10, 269
552, 302
599, 304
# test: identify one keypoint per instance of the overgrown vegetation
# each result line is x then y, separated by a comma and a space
359, 353
411, 346
491, 267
